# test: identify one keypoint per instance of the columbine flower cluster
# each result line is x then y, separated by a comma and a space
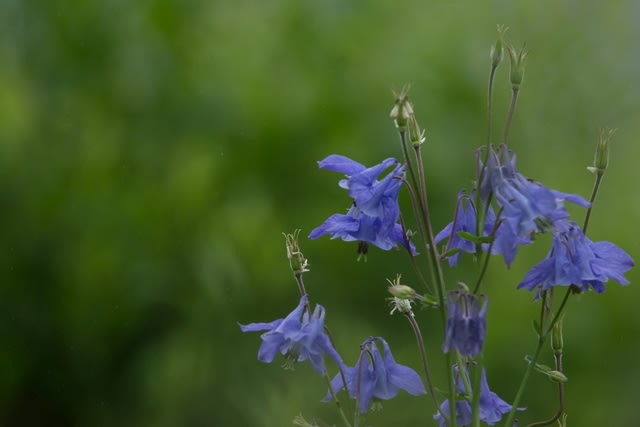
373, 216
503, 210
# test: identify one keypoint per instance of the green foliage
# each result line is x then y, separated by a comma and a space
152, 153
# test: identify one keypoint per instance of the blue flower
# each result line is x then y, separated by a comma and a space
376, 376
356, 226
491, 406
576, 260
505, 240
298, 337
467, 324
465, 221
528, 206
373, 218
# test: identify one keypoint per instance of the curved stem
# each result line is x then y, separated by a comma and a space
335, 399
544, 333
558, 414
425, 361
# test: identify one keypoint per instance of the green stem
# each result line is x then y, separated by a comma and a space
335, 399
512, 108
425, 361
475, 402
541, 340
558, 414
523, 384
487, 258
594, 192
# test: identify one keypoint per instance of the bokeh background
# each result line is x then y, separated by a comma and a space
152, 153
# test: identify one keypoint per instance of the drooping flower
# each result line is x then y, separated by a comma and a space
356, 226
373, 217
466, 327
298, 337
528, 206
492, 407
465, 221
376, 376
505, 241
576, 260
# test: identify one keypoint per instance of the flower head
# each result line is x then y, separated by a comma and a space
376, 376
492, 407
356, 226
576, 260
505, 240
467, 324
298, 337
528, 206
374, 215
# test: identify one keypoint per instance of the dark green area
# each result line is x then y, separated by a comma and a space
152, 152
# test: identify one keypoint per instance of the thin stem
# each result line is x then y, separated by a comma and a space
558, 414
452, 391
433, 250
512, 108
492, 74
407, 161
425, 361
594, 192
421, 230
477, 379
303, 291
335, 399
523, 383
541, 340
440, 284
412, 259
487, 258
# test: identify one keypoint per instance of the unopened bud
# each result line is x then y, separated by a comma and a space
601, 157
416, 135
402, 110
297, 261
557, 377
402, 291
557, 342
497, 50
518, 62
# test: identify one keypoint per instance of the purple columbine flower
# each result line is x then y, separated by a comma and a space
373, 218
491, 406
467, 324
356, 226
576, 260
376, 376
465, 221
505, 240
528, 206
298, 337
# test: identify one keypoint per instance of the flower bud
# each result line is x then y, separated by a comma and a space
402, 291
402, 110
297, 261
601, 157
497, 50
557, 377
518, 62
416, 135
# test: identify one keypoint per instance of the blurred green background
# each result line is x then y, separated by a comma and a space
152, 152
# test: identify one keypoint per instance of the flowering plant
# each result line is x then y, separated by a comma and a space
502, 211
